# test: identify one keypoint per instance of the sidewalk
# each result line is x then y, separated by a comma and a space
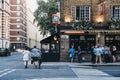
102, 64
81, 64
78, 65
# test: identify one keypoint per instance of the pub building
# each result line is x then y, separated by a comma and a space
86, 23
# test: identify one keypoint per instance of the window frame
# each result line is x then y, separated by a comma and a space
115, 12
85, 12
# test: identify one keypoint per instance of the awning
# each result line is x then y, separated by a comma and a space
90, 31
50, 38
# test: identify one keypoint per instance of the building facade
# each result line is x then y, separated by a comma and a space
88, 22
1, 23
33, 33
18, 24
4, 23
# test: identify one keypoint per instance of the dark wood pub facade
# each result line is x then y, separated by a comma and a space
87, 23
84, 23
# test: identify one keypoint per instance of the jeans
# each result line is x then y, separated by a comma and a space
79, 58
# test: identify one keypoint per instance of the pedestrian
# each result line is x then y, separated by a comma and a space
26, 56
95, 52
109, 55
79, 54
106, 54
102, 48
92, 55
72, 53
98, 54
113, 53
40, 58
35, 54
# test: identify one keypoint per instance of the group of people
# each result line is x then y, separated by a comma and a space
72, 54
103, 54
34, 55
99, 54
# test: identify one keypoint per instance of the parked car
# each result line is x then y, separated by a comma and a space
19, 50
5, 52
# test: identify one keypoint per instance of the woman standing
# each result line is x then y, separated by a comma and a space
98, 53
26, 56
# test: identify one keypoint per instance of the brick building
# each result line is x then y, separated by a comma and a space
4, 23
0, 21
18, 22
87, 23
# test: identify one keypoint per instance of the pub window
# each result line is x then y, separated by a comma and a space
82, 37
81, 13
117, 37
45, 48
84, 41
115, 13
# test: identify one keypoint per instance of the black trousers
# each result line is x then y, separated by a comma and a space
40, 62
93, 58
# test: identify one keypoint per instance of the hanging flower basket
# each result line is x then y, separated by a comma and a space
114, 24
82, 25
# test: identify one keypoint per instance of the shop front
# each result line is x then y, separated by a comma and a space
86, 39
56, 47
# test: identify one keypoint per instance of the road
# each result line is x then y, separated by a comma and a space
11, 68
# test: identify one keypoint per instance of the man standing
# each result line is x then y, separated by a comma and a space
93, 56
79, 54
36, 55
72, 53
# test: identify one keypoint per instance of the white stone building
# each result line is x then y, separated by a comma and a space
33, 33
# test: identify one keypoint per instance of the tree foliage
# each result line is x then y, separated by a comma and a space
43, 16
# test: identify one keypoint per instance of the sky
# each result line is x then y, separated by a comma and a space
32, 4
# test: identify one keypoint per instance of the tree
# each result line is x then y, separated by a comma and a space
43, 16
